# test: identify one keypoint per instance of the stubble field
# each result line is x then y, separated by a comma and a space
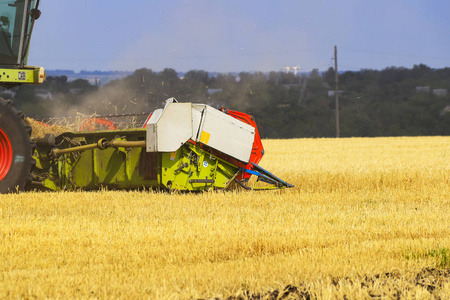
367, 218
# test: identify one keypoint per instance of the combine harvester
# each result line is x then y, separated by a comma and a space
183, 146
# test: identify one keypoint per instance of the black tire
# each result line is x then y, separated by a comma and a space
16, 149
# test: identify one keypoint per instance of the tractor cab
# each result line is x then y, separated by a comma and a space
16, 24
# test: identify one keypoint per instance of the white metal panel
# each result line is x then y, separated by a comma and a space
155, 116
174, 126
171, 129
226, 134
152, 145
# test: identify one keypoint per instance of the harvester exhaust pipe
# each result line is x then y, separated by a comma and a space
102, 144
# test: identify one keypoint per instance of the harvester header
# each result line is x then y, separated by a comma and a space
183, 146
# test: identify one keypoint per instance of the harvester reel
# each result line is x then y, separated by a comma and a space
16, 149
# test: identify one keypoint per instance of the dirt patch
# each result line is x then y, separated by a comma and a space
386, 285
289, 292
432, 279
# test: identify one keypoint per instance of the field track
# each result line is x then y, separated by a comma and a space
368, 218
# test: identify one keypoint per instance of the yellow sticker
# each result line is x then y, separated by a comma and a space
172, 155
204, 138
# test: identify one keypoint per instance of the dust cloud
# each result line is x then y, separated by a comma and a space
114, 101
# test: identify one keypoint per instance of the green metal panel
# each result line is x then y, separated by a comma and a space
113, 168
192, 168
189, 168
30, 75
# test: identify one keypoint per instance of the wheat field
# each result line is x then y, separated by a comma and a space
368, 218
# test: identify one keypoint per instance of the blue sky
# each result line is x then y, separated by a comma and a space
240, 35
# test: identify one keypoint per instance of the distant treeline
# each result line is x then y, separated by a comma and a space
72, 73
391, 102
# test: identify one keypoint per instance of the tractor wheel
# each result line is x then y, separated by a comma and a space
16, 149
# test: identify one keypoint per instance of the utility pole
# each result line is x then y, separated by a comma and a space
338, 131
